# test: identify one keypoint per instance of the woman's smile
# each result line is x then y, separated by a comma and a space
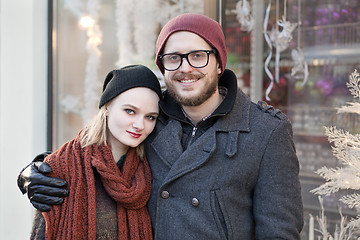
134, 135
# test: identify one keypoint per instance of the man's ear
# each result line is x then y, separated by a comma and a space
218, 68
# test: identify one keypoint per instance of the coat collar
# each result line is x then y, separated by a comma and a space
238, 119
228, 120
228, 80
167, 145
232, 118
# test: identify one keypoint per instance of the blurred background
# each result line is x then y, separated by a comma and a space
54, 55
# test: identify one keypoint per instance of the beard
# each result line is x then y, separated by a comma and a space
193, 101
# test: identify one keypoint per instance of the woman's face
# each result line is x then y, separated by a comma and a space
132, 117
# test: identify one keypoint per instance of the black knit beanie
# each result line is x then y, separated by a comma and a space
132, 76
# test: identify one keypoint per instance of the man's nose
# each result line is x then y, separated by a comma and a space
185, 65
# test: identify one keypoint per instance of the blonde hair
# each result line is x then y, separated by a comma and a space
97, 133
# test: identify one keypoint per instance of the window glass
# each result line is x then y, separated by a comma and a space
90, 38
328, 37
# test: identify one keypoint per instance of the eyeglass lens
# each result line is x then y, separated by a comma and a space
197, 59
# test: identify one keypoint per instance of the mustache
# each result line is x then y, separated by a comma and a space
181, 76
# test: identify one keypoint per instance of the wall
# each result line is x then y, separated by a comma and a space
23, 69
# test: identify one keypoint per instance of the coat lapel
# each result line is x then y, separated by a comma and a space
168, 146
195, 156
167, 143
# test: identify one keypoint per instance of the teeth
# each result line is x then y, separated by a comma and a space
188, 81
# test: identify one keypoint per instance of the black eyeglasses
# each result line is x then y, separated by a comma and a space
196, 59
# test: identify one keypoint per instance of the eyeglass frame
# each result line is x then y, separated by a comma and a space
186, 55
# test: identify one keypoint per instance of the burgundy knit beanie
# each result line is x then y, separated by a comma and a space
205, 27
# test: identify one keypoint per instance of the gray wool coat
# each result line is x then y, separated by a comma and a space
238, 180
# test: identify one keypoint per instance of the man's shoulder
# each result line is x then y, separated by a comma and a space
162, 118
271, 111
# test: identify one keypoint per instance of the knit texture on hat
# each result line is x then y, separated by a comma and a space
132, 76
205, 27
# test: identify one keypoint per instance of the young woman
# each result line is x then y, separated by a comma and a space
109, 179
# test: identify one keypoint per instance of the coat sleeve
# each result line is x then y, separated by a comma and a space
278, 208
38, 229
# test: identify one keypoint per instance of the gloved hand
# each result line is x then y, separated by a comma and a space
41, 189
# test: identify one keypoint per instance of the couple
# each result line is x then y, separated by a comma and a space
221, 166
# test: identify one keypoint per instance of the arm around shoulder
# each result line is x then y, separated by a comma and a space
41, 189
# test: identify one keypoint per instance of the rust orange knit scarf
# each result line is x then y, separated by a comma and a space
76, 217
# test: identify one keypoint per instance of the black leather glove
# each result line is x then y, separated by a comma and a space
41, 189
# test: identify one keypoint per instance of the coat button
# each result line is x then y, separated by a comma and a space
195, 202
165, 194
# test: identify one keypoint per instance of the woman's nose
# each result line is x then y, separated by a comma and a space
138, 123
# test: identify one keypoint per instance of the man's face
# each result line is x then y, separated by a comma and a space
188, 85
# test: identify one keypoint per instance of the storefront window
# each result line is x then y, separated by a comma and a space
328, 36
92, 37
